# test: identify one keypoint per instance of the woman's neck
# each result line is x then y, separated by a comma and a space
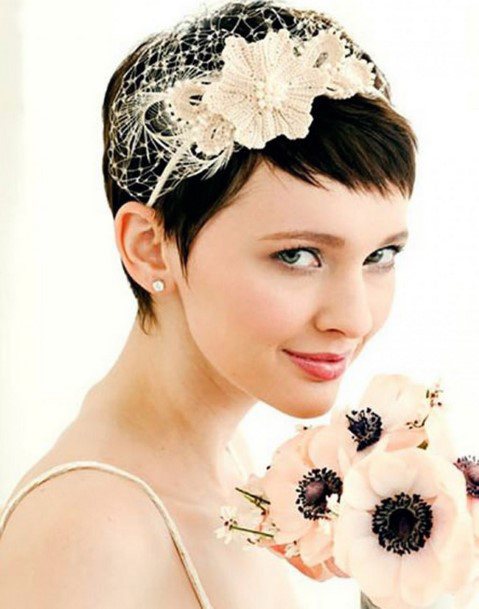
170, 407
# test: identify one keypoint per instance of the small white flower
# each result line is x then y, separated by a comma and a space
223, 533
228, 515
228, 512
235, 519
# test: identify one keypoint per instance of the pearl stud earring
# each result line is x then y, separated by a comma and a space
158, 285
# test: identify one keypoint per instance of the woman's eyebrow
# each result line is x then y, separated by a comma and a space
327, 238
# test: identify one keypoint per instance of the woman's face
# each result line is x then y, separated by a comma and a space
248, 299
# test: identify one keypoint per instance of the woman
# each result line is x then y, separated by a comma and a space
257, 215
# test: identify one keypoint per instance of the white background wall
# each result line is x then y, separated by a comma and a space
65, 306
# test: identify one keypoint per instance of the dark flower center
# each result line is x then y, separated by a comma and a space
473, 473
402, 523
365, 427
470, 468
313, 491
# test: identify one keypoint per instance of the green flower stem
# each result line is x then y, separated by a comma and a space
256, 497
251, 531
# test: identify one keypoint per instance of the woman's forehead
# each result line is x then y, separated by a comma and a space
277, 202
268, 182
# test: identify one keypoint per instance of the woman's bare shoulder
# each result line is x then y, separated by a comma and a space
83, 539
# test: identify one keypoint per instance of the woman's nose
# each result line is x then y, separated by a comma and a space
345, 306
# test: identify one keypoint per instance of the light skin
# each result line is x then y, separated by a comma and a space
182, 390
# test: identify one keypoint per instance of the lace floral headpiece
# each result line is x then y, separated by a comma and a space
238, 76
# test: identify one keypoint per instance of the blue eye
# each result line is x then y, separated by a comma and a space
293, 253
290, 256
395, 249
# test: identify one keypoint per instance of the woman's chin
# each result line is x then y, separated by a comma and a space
316, 404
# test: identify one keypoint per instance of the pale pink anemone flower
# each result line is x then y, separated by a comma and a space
303, 476
404, 531
467, 597
397, 411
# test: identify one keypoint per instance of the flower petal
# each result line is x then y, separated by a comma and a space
357, 491
444, 513
238, 55
274, 49
316, 546
460, 559
390, 473
283, 498
473, 504
351, 525
421, 577
376, 569
288, 533
288, 465
325, 42
323, 449
425, 483
439, 434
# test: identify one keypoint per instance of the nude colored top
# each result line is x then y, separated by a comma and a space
57, 470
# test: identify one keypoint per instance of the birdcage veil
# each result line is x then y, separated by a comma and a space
227, 76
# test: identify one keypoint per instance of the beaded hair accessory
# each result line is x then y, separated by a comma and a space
239, 75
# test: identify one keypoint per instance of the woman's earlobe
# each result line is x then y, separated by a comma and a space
158, 285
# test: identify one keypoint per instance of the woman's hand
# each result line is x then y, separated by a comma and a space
320, 572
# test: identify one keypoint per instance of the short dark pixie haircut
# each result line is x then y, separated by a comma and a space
362, 143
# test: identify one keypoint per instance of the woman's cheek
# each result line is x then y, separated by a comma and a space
386, 302
381, 304
268, 309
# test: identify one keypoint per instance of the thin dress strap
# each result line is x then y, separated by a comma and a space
175, 534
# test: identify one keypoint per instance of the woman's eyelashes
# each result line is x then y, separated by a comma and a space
288, 257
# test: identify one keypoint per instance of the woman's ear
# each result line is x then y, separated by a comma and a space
140, 241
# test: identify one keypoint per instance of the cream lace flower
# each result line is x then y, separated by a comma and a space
210, 131
352, 76
266, 88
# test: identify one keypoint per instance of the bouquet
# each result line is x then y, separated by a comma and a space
378, 494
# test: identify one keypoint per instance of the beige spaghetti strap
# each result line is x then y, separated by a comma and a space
175, 534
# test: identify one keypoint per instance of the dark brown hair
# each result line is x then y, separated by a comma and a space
362, 143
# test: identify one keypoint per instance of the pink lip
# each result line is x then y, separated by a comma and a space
330, 357
323, 369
